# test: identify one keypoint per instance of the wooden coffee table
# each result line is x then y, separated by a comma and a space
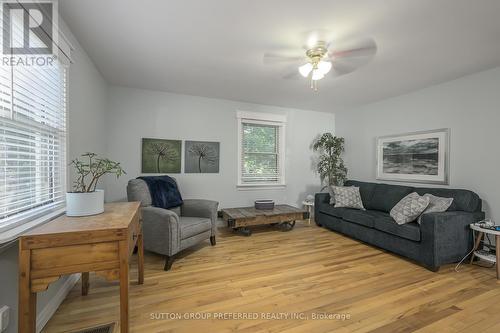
282, 215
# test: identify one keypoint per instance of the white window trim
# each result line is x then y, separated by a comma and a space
264, 119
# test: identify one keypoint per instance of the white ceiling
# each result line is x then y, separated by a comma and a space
214, 48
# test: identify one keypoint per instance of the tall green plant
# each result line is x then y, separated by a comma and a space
90, 169
330, 166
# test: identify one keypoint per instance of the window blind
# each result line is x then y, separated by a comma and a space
260, 153
32, 139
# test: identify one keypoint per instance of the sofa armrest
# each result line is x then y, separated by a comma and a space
448, 235
201, 208
161, 230
319, 200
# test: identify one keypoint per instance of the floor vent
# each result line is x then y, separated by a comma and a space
108, 328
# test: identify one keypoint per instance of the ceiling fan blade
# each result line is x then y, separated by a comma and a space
340, 68
272, 58
292, 75
365, 47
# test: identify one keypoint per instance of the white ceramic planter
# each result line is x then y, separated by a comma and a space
83, 204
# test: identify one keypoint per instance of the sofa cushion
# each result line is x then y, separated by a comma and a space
176, 210
463, 200
192, 226
332, 211
359, 217
365, 189
409, 231
385, 196
365, 218
409, 208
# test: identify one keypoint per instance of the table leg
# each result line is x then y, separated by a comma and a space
27, 299
140, 258
497, 240
476, 244
85, 283
124, 284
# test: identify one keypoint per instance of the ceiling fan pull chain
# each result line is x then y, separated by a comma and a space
314, 85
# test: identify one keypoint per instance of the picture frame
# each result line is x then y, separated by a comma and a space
161, 156
418, 157
201, 156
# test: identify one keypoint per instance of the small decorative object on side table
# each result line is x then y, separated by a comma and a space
264, 204
483, 229
86, 199
309, 206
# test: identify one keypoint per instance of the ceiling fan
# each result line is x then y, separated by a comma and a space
321, 58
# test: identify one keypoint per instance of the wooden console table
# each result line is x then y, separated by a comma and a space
66, 245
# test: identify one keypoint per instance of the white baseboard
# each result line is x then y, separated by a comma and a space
48, 311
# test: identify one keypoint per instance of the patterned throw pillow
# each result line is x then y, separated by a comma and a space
348, 197
436, 205
409, 208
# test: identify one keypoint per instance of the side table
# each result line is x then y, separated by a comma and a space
480, 234
309, 206
98, 243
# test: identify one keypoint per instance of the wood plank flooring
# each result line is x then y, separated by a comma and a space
304, 272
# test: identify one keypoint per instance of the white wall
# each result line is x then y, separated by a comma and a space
87, 106
135, 114
470, 106
87, 103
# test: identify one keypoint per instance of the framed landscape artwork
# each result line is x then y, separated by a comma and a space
420, 157
201, 157
161, 156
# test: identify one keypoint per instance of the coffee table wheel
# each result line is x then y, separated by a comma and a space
243, 231
287, 226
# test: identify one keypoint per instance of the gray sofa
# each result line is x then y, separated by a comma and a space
441, 238
169, 231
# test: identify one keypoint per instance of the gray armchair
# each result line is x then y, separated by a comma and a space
169, 231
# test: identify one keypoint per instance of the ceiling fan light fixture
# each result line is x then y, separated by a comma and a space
324, 66
317, 75
306, 69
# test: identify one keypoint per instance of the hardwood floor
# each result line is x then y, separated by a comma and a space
305, 272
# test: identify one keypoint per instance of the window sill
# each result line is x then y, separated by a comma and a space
10, 236
252, 187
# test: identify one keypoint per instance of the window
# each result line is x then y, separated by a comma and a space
32, 140
261, 149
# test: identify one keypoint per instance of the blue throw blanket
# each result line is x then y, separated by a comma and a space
164, 191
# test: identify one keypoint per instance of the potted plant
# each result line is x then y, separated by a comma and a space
330, 165
86, 199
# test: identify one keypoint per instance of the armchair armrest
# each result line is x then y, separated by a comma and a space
201, 208
449, 235
319, 200
161, 230
322, 198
